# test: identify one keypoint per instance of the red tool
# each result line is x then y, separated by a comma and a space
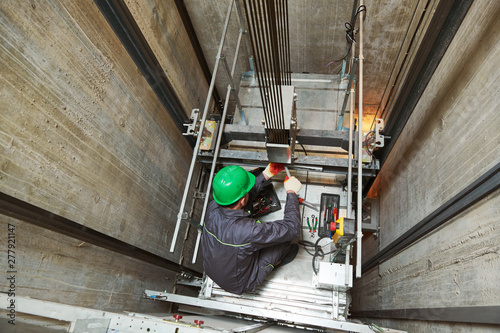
308, 204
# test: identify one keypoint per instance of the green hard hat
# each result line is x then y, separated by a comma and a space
231, 183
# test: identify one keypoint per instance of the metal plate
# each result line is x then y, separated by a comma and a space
95, 325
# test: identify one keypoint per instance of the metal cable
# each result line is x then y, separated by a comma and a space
269, 35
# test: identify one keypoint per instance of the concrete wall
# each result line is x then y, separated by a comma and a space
82, 135
451, 139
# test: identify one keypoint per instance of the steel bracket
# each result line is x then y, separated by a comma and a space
193, 127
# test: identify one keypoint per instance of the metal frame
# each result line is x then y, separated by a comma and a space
304, 163
202, 124
328, 138
90, 320
286, 317
359, 213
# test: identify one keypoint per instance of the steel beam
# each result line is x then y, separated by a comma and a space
29, 213
466, 314
313, 137
479, 189
304, 163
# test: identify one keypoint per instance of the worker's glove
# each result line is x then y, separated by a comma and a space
273, 169
292, 184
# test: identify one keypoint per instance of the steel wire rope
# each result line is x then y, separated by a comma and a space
288, 45
273, 21
269, 34
271, 69
253, 36
263, 40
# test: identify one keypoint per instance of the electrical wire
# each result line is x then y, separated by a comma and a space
318, 251
349, 34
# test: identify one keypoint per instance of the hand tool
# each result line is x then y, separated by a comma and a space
288, 172
308, 204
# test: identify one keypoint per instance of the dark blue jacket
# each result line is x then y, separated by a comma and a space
231, 241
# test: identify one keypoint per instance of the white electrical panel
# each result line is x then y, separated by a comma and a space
333, 276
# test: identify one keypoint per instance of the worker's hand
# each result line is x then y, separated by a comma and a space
273, 169
292, 185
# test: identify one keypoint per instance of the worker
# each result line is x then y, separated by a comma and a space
238, 250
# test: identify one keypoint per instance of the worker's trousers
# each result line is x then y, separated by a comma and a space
269, 257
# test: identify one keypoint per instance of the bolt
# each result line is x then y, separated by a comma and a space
199, 322
177, 318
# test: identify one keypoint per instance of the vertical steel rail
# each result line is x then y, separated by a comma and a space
217, 146
351, 134
202, 126
232, 85
212, 171
360, 147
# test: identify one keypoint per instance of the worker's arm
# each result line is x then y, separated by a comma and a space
271, 170
271, 233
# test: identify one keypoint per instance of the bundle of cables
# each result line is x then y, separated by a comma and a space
318, 251
349, 34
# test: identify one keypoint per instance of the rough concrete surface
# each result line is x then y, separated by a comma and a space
164, 31
449, 141
457, 265
82, 135
436, 327
61, 269
452, 137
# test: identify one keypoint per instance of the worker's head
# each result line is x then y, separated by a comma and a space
231, 184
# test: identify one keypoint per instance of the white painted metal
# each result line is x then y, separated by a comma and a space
351, 134
295, 318
212, 171
118, 322
333, 276
191, 128
348, 272
379, 138
360, 146
202, 125
230, 88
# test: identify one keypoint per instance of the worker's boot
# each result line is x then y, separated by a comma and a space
290, 254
